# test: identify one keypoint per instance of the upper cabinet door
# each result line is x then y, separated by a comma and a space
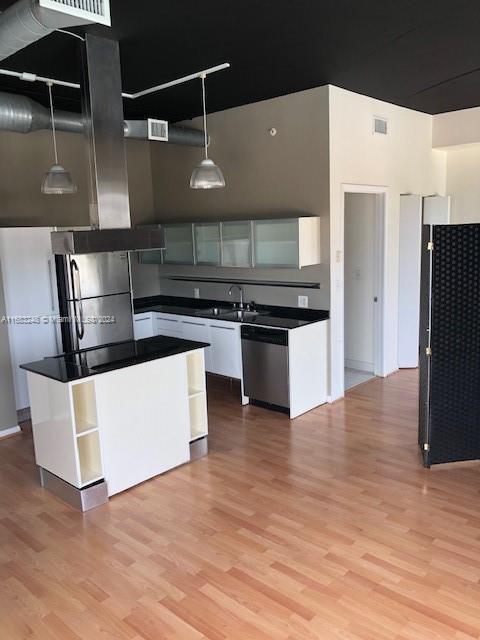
150, 256
207, 243
236, 244
276, 243
178, 244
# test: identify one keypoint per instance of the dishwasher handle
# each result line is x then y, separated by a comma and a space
263, 334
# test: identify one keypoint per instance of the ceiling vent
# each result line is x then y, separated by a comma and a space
92, 10
380, 126
157, 130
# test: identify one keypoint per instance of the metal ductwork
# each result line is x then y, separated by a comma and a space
21, 114
27, 21
102, 108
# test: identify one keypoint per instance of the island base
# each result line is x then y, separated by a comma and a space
81, 499
198, 448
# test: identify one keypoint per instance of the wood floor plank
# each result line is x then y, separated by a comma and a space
322, 528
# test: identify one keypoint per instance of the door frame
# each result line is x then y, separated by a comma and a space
381, 218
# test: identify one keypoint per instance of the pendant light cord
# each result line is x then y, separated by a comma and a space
53, 122
204, 116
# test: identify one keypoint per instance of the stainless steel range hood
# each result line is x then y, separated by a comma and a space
104, 129
95, 241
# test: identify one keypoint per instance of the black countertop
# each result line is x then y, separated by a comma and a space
268, 316
90, 362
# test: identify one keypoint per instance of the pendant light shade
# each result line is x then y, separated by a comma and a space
57, 181
207, 175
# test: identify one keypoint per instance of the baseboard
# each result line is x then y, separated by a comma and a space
11, 431
359, 365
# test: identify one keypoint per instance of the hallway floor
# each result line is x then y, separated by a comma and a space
323, 528
354, 377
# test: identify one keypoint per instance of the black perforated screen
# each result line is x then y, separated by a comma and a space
455, 341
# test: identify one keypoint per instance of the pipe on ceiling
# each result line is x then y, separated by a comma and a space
21, 114
26, 22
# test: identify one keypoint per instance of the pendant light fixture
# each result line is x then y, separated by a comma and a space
57, 180
207, 175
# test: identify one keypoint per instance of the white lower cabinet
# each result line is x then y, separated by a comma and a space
225, 349
307, 356
143, 326
223, 357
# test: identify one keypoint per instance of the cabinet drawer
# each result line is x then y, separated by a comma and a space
168, 326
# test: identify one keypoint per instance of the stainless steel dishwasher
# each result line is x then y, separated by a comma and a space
265, 365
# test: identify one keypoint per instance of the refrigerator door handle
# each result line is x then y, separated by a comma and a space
79, 326
50, 283
80, 305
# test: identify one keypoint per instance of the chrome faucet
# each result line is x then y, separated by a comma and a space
240, 306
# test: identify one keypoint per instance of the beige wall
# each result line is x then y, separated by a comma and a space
8, 414
402, 162
265, 176
456, 128
24, 158
463, 183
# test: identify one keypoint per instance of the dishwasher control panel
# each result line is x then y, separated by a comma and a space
263, 334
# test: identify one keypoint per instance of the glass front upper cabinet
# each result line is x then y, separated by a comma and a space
178, 244
151, 256
207, 243
276, 243
237, 244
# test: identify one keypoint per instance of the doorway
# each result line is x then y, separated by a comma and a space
363, 282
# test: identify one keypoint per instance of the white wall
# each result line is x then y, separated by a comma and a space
360, 252
463, 183
8, 413
29, 283
458, 133
403, 161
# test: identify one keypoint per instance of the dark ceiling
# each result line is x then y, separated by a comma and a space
423, 54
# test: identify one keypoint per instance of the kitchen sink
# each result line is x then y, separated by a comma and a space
215, 311
241, 314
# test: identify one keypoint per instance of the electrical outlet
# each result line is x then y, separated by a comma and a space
303, 302
196, 292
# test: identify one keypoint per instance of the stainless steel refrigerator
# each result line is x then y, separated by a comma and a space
94, 292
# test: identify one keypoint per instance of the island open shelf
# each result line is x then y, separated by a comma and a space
90, 459
84, 406
197, 395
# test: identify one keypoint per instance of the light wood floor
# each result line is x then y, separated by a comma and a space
324, 528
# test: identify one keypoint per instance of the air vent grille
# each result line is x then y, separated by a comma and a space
89, 10
380, 126
157, 130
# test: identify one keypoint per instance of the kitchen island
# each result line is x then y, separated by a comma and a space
108, 418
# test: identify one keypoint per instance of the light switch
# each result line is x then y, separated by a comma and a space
196, 292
